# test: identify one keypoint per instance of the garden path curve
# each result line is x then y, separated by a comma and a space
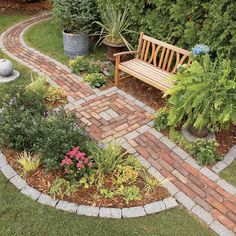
113, 114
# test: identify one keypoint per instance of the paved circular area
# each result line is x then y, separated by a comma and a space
199, 189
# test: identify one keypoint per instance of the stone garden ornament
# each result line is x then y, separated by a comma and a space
7, 73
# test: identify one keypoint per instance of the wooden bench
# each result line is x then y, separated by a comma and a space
154, 63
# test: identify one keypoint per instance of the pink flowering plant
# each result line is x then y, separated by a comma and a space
76, 164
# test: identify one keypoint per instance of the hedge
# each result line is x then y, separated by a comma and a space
184, 22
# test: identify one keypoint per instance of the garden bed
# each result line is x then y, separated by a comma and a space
18, 6
42, 180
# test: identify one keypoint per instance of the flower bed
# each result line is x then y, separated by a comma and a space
56, 156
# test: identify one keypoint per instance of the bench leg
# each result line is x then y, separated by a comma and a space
117, 72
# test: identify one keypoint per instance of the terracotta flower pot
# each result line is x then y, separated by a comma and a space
202, 133
112, 49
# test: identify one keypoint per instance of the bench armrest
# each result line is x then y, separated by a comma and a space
125, 53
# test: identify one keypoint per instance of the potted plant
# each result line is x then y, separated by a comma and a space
114, 25
203, 97
76, 18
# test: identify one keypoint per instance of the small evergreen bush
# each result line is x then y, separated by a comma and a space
75, 16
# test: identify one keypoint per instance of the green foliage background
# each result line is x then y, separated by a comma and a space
184, 22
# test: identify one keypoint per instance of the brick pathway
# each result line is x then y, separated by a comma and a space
115, 114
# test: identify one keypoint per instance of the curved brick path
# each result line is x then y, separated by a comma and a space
114, 114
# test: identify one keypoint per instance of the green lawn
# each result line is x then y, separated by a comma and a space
47, 38
229, 174
25, 78
19, 215
8, 20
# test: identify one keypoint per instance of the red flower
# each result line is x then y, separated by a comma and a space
80, 165
66, 161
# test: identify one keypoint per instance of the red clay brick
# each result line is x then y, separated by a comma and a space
213, 202
230, 206
190, 169
223, 219
142, 151
184, 188
231, 216
197, 190
203, 203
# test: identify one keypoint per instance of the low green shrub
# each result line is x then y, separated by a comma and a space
21, 120
96, 80
79, 64
59, 134
161, 119
75, 16
202, 150
204, 95
62, 187
205, 151
83, 64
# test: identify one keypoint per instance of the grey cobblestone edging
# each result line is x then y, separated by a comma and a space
117, 213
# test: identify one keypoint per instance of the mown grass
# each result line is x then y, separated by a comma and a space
8, 20
19, 215
47, 38
229, 173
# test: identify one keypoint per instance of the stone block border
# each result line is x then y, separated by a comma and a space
104, 212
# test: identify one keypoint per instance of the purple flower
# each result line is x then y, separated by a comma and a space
46, 114
101, 146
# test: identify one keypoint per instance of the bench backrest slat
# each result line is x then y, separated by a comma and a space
162, 55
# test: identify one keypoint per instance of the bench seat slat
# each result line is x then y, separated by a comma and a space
148, 73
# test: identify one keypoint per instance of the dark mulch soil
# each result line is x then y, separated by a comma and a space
43, 180
149, 95
226, 140
19, 6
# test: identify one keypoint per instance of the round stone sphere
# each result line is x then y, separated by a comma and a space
6, 68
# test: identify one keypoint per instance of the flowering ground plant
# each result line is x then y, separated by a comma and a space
76, 164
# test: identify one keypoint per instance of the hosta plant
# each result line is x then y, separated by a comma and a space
204, 95
56, 95
96, 80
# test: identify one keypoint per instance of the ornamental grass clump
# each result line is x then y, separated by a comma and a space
29, 163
